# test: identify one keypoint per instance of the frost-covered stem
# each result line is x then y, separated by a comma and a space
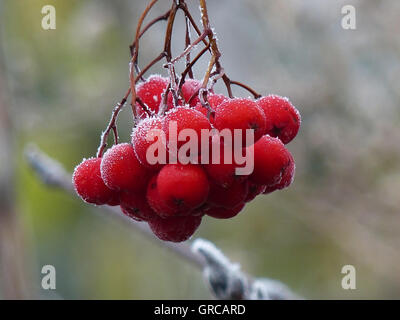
192, 46
191, 64
54, 175
112, 126
216, 54
145, 107
225, 278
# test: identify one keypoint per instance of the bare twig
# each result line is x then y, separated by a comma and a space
225, 278
112, 125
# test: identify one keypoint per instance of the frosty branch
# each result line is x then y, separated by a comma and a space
225, 279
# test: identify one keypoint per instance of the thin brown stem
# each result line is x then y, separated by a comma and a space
187, 44
189, 67
112, 125
246, 87
192, 46
144, 107
147, 27
168, 32
146, 68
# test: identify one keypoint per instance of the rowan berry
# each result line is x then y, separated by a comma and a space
90, 186
183, 187
270, 160
189, 88
155, 202
150, 93
147, 133
228, 197
134, 205
224, 213
121, 170
283, 119
287, 177
214, 100
223, 173
175, 229
185, 118
241, 114
254, 191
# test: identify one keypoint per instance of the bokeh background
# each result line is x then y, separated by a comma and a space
58, 88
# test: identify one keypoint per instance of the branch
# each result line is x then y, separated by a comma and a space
225, 278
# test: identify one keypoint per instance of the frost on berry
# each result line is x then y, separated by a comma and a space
134, 205
147, 133
121, 170
182, 118
214, 100
189, 89
90, 186
228, 197
155, 201
224, 213
271, 159
283, 119
150, 93
241, 114
286, 179
183, 187
175, 229
223, 173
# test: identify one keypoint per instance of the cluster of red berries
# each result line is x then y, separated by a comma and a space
173, 198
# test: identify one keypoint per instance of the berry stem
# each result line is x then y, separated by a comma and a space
187, 44
244, 86
163, 17
112, 126
189, 48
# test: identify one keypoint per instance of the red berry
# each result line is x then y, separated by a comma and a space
144, 135
89, 185
287, 178
228, 197
189, 88
270, 189
185, 118
214, 100
183, 187
254, 191
240, 114
283, 119
175, 229
121, 170
150, 92
155, 202
135, 206
270, 160
114, 200
224, 213
223, 173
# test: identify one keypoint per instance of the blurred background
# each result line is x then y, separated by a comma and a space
58, 87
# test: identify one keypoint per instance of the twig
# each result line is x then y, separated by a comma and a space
112, 125
225, 278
